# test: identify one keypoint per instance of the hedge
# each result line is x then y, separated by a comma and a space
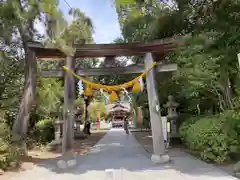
213, 138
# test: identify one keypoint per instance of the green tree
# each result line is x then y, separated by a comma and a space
95, 108
11, 82
210, 57
17, 28
50, 93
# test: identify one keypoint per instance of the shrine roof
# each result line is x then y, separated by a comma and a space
103, 50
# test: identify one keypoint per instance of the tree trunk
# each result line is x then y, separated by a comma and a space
226, 89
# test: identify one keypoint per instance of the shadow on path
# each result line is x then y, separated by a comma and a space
116, 150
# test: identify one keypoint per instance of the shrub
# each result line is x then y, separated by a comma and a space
10, 153
183, 129
4, 129
10, 158
45, 130
213, 138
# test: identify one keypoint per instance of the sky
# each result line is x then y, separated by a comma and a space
103, 15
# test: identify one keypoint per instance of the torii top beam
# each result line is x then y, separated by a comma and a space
103, 50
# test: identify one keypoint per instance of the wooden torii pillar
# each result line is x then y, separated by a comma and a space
28, 100
68, 112
159, 155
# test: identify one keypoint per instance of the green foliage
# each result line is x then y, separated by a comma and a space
10, 153
4, 129
78, 32
95, 108
45, 130
79, 102
11, 157
50, 92
207, 76
11, 82
213, 138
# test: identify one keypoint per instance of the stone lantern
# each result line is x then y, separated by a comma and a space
58, 126
78, 120
172, 114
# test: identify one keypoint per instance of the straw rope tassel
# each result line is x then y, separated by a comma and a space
113, 97
136, 87
88, 91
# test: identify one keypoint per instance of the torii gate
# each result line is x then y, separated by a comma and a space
109, 51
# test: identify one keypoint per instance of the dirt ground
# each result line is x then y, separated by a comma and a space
145, 139
81, 147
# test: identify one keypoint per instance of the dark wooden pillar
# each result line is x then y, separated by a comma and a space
28, 101
68, 112
86, 101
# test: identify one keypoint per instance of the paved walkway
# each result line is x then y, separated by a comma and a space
129, 161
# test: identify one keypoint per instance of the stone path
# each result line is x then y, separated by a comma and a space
118, 156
